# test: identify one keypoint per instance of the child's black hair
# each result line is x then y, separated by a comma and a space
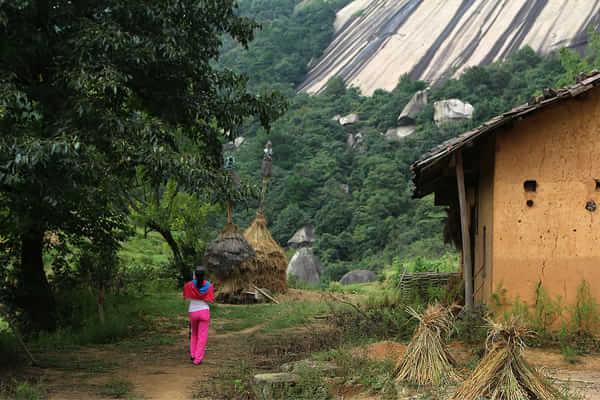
200, 274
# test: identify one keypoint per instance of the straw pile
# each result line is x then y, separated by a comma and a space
427, 360
503, 373
224, 255
267, 269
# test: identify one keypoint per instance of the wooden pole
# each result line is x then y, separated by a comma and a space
466, 237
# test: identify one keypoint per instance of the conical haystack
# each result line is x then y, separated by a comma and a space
427, 360
503, 374
267, 269
224, 255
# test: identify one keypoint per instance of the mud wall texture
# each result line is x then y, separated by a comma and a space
544, 232
378, 41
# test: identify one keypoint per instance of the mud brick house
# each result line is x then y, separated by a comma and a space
524, 188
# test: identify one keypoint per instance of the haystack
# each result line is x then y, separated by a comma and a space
268, 269
224, 255
427, 360
503, 374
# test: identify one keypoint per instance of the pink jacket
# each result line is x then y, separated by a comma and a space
191, 292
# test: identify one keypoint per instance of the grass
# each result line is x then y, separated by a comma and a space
126, 316
117, 389
149, 250
357, 288
22, 391
273, 316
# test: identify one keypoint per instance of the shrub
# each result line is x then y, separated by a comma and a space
381, 316
585, 315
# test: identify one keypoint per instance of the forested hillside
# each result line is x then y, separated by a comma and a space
359, 198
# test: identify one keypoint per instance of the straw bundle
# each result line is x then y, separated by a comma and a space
427, 360
503, 373
267, 269
225, 254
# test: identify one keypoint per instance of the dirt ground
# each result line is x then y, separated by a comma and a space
583, 377
156, 372
156, 366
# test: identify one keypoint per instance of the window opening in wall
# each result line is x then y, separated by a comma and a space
529, 203
531, 186
597, 184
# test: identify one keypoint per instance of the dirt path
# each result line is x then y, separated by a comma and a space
153, 367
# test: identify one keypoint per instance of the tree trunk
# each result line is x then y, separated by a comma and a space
35, 295
100, 302
177, 257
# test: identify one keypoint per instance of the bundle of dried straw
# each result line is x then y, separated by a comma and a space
503, 374
427, 360
267, 269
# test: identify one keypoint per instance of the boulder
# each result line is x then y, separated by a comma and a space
239, 141
354, 140
349, 119
272, 386
396, 134
415, 105
305, 267
304, 237
325, 368
452, 110
344, 187
336, 118
358, 276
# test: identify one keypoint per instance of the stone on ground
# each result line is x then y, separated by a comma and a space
358, 276
305, 267
271, 386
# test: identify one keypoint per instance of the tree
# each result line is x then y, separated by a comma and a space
92, 92
182, 219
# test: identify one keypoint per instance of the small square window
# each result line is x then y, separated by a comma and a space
531, 186
597, 184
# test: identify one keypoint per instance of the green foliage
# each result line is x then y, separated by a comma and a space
399, 267
12, 389
585, 315
547, 311
383, 316
291, 35
91, 93
185, 221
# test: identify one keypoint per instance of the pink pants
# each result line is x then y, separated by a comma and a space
199, 320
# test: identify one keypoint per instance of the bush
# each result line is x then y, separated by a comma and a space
381, 316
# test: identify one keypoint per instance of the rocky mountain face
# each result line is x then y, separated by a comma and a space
377, 41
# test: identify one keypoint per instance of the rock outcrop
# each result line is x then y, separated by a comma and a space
358, 276
304, 237
378, 41
354, 140
397, 134
349, 119
239, 141
305, 267
452, 110
413, 108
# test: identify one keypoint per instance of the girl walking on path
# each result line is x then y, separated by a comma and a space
200, 293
